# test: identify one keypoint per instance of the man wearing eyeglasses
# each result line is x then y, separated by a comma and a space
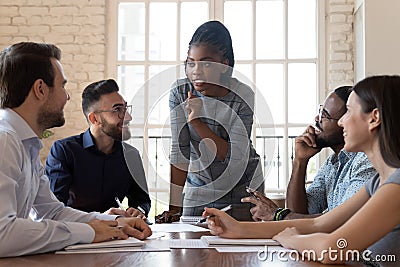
340, 177
89, 171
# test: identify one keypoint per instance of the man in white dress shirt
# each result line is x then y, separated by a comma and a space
32, 220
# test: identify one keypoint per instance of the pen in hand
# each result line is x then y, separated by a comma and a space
203, 220
119, 203
144, 213
251, 192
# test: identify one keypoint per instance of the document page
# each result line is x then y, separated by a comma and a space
217, 241
176, 227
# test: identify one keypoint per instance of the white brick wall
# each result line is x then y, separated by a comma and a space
78, 28
340, 47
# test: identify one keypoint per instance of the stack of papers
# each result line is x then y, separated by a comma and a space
119, 245
219, 241
190, 219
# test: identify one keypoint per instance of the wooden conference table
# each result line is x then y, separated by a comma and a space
175, 257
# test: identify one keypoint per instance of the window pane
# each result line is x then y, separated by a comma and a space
131, 31
270, 149
269, 29
243, 72
270, 84
240, 27
159, 85
302, 28
190, 21
130, 80
162, 35
302, 92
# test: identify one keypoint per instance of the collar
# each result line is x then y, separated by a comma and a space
18, 124
343, 156
88, 139
88, 142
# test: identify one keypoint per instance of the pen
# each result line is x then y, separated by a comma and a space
141, 210
144, 213
251, 192
119, 203
203, 220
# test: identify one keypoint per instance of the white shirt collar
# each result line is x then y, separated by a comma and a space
18, 124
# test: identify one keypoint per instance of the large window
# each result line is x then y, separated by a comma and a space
276, 47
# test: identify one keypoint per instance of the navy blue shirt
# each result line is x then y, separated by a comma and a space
83, 177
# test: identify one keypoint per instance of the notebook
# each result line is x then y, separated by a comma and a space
218, 241
190, 219
130, 242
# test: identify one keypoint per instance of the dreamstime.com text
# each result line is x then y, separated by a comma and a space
338, 254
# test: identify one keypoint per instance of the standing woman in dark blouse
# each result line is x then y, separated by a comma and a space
212, 157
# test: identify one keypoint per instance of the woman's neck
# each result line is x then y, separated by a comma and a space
375, 157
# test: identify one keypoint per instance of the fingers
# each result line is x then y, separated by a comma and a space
138, 231
135, 227
135, 213
117, 211
214, 229
160, 218
168, 217
189, 94
211, 211
249, 200
310, 129
306, 138
106, 230
260, 195
110, 223
119, 234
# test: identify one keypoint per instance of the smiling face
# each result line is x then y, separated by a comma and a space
328, 132
110, 122
355, 126
51, 114
204, 66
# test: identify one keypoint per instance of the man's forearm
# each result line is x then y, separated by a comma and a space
296, 197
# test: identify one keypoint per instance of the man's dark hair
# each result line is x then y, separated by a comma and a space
343, 92
215, 34
92, 93
21, 65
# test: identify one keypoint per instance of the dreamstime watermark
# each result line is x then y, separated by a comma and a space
339, 254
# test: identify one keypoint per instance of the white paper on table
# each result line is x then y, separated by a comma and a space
240, 249
117, 243
187, 243
190, 219
154, 246
155, 235
176, 227
219, 241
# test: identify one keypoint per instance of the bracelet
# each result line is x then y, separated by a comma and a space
282, 214
276, 214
